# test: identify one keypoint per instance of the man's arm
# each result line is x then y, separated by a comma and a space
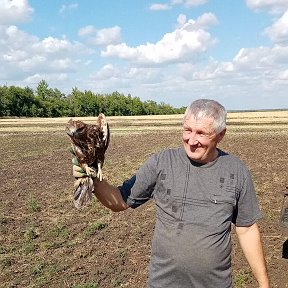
250, 242
109, 196
133, 192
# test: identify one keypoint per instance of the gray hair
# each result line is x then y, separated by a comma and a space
206, 108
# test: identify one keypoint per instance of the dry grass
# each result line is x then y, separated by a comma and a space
259, 114
237, 122
45, 242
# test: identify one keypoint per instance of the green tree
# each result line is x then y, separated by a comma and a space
48, 102
42, 90
4, 101
20, 101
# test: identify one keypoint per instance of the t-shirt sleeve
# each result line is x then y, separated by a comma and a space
247, 210
139, 188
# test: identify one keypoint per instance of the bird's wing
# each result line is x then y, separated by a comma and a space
104, 128
107, 138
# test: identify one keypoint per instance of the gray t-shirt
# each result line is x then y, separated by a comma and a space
196, 205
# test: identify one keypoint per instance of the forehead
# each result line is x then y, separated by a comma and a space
205, 123
78, 123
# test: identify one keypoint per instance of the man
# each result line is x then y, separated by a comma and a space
199, 191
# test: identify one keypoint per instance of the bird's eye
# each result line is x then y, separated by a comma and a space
80, 129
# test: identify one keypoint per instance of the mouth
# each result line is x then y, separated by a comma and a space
193, 148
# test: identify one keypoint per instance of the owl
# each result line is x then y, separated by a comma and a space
89, 143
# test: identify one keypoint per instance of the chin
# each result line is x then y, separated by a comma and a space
195, 156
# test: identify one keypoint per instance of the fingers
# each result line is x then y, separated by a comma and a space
75, 161
78, 171
71, 150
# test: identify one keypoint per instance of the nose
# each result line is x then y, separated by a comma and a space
193, 139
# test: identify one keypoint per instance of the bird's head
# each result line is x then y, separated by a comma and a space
75, 128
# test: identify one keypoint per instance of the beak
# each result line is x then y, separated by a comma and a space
71, 132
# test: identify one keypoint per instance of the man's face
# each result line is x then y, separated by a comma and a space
200, 139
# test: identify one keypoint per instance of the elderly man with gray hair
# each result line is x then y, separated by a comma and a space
199, 191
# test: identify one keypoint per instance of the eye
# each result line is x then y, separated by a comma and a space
204, 134
81, 129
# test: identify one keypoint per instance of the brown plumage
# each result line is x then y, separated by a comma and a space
89, 143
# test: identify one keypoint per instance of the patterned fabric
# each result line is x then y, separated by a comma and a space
196, 205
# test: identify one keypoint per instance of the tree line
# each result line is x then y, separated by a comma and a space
48, 102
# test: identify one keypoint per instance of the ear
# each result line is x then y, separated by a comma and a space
221, 135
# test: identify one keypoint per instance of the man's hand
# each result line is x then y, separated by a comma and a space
78, 172
107, 194
250, 242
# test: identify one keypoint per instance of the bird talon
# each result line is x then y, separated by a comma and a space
99, 175
90, 171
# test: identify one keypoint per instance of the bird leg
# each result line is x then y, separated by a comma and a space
89, 171
99, 172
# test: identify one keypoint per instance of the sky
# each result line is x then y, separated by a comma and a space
171, 51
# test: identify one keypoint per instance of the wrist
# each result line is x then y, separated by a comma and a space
264, 284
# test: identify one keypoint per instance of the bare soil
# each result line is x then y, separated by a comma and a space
46, 242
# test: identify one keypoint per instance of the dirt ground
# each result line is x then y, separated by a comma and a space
46, 242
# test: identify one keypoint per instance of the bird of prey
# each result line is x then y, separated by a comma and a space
89, 143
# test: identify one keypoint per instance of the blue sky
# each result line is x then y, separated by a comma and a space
173, 51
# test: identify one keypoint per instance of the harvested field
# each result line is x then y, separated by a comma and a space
46, 242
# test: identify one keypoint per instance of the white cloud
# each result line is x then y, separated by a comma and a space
252, 66
52, 45
14, 11
206, 20
125, 79
181, 20
87, 30
271, 58
133, 74
108, 36
274, 6
66, 8
183, 44
258, 71
283, 75
221, 80
106, 72
50, 55
176, 2
168, 5
188, 3
103, 36
278, 32
157, 7
36, 78
14, 40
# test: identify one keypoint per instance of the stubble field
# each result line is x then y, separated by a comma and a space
46, 242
